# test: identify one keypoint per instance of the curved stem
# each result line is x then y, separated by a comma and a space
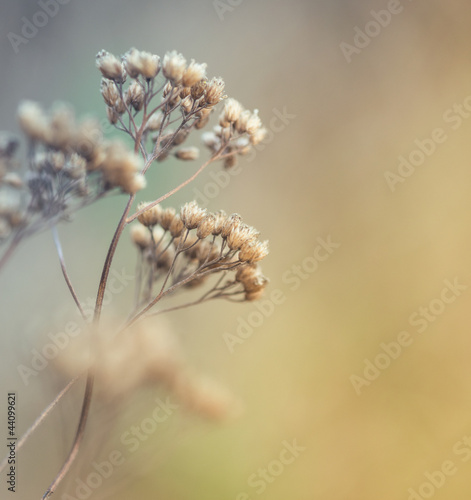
87, 398
41, 418
58, 245
78, 437
172, 191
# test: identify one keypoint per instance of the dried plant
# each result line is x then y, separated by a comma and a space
70, 165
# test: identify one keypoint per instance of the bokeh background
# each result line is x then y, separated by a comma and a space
320, 174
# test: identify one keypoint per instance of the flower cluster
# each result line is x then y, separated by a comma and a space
187, 99
69, 165
237, 131
186, 248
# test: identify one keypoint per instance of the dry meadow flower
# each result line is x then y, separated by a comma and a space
70, 164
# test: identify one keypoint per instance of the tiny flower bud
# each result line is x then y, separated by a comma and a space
206, 226
109, 91
150, 217
167, 217
176, 227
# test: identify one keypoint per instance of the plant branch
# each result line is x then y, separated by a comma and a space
57, 243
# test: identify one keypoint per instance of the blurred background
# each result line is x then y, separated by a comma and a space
365, 254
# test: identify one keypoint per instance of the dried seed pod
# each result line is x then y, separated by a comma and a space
150, 217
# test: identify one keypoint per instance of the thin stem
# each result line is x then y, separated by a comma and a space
78, 437
41, 418
60, 254
173, 191
87, 398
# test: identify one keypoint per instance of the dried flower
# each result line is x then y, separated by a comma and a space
206, 226
214, 91
232, 111
194, 74
151, 216
174, 66
192, 215
110, 66
167, 217
135, 96
230, 224
142, 63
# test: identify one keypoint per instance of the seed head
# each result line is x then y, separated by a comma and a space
192, 215
258, 136
174, 66
187, 103
150, 217
241, 123
166, 218
198, 89
135, 95
194, 74
110, 66
176, 227
253, 251
142, 63
232, 110
109, 91
219, 220
240, 236
214, 91
253, 123
206, 226
230, 224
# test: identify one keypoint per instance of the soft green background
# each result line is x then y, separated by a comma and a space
320, 175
